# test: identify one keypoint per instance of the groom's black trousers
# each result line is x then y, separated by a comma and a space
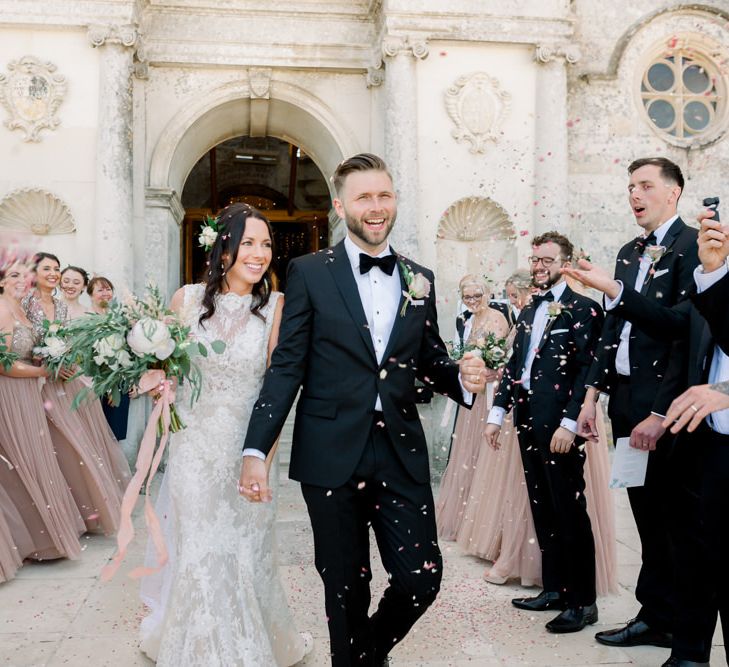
380, 494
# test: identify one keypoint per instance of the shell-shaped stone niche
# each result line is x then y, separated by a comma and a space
35, 211
475, 219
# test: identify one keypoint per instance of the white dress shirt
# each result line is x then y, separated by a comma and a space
622, 356
719, 370
380, 295
541, 318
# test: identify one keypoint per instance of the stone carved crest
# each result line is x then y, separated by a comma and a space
35, 211
475, 219
478, 106
31, 92
260, 82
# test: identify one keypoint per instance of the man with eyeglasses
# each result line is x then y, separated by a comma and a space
630, 366
544, 382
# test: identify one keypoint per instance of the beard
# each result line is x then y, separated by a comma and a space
357, 227
548, 282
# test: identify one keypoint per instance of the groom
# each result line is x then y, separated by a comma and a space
359, 326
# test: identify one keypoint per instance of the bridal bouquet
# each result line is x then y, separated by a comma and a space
139, 345
492, 349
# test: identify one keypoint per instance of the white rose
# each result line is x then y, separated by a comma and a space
149, 336
420, 287
53, 328
123, 358
54, 346
207, 237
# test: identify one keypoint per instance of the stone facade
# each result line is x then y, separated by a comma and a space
528, 111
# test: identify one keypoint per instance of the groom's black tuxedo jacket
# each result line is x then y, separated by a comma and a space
325, 347
670, 283
563, 358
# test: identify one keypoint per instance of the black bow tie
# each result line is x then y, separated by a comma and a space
538, 298
386, 263
643, 242
466, 315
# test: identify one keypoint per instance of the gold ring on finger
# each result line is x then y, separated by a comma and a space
694, 408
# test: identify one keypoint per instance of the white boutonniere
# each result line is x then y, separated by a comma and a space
554, 309
418, 287
655, 252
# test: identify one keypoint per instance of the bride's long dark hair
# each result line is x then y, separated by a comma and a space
231, 229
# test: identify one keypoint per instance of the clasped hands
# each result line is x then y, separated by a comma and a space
253, 482
474, 374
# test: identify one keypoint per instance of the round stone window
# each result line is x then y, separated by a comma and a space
684, 97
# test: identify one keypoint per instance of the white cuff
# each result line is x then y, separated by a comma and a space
254, 452
658, 415
496, 416
611, 303
569, 424
706, 280
467, 395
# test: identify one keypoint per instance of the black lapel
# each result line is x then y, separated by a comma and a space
566, 297
525, 331
460, 328
668, 240
338, 263
633, 266
705, 352
399, 322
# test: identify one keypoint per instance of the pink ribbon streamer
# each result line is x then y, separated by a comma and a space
147, 463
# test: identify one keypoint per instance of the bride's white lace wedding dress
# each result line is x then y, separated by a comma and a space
219, 601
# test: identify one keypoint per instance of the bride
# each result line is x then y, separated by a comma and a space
219, 600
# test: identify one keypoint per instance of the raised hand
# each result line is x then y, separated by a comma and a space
253, 483
713, 241
591, 275
562, 441
646, 434
491, 433
473, 373
693, 406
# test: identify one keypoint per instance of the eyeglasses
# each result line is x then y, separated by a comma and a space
546, 261
472, 297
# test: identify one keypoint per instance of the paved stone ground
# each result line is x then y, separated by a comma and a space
59, 613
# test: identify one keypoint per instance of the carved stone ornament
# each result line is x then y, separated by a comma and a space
35, 211
545, 53
260, 82
393, 46
475, 219
31, 92
478, 107
126, 35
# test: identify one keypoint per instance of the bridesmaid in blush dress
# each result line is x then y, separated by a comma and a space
39, 518
455, 486
95, 473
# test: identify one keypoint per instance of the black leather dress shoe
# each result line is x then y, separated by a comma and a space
635, 633
541, 602
677, 662
573, 619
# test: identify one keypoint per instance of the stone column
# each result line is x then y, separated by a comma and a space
163, 215
400, 55
113, 213
551, 172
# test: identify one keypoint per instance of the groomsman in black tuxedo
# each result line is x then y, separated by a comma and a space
700, 459
358, 327
544, 382
630, 365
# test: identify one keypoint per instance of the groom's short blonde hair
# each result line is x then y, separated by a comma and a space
359, 162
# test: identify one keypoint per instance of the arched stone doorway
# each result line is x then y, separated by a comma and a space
270, 174
286, 112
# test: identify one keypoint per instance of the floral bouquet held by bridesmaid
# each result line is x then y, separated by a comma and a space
138, 345
493, 349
